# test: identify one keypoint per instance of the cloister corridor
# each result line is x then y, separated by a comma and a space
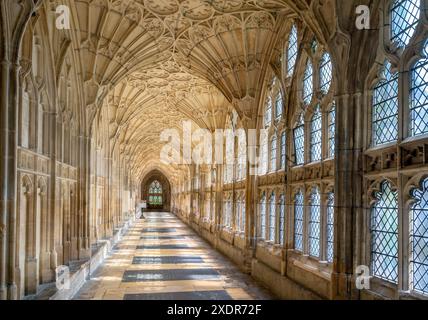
160, 258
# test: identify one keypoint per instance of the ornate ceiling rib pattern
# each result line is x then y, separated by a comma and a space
152, 64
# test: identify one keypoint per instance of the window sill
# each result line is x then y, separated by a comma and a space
381, 147
416, 139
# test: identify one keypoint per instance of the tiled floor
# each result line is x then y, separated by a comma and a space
160, 258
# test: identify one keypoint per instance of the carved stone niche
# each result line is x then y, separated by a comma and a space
297, 174
313, 171
414, 153
328, 168
382, 159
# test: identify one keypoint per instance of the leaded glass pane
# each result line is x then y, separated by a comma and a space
243, 216
385, 108
272, 217
384, 233
237, 214
283, 150
308, 85
292, 51
315, 223
155, 187
419, 97
331, 132
278, 107
405, 16
330, 227
298, 221
268, 113
326, 69
316, 135
273, 149
419, 239
263, 218
299, 142
282, 220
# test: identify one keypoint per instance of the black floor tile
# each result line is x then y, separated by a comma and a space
194, 295
170, 275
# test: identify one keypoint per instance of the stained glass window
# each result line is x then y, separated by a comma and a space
292, 51
282, 220
419, 239
273, 149
268, 113
315, 223
278, 107
155, 194
331, 132
325, 73
330, 227
405, 16
155, 187
308, 85
298, 221
263, 217
272, 217
384, 233
385, 108
316, 135
419, 96
299, 142
283, 150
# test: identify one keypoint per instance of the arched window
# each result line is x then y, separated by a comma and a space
405, 16
315, 223
419, 239
419, 96
283, 150
330, 227
292, 51
272, 217
298, 221
384, 234
299, 141
308, 85
385, 107
242, 161
282, 219
263, 217
155, 194
278, 107
316, 135
325, 73
268, 113
273, 149
331, 131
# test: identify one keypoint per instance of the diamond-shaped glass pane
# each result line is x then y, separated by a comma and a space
298, 221
272, 217
278, 107
419, 239
299, 142
308, 85
316, 135
385, 108
315, 223
384, 233
263, 218
292, 51
282, 220
330, 227
419, 97
326, 69
273, 149
283, 150
405, 16
331, 132
268, 113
